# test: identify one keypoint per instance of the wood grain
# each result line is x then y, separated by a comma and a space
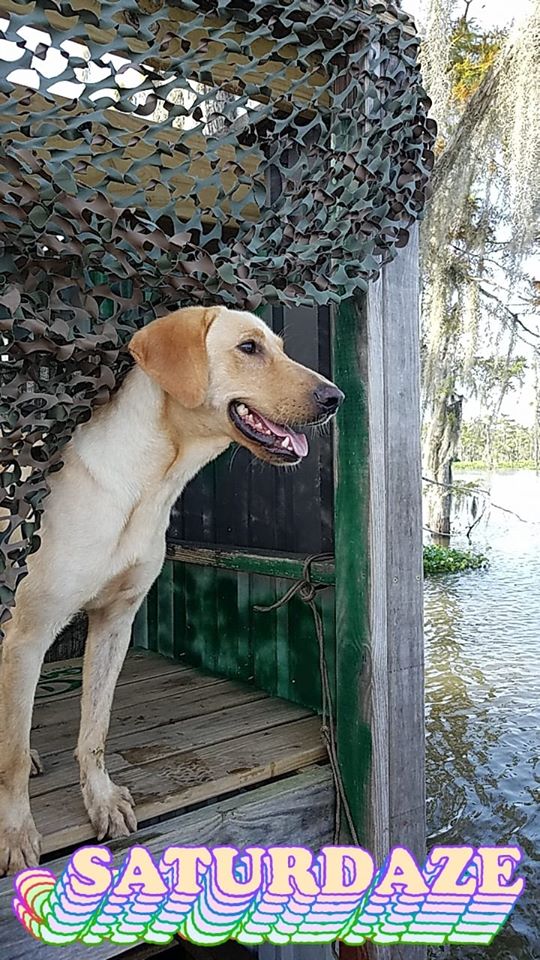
295, 951
404, 539
351, 478
139, 724
393, 679
300, 805
375, 675
176, 738
270, 564
131, 698
139, 665
180, 779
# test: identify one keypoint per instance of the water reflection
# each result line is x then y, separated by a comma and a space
483, 702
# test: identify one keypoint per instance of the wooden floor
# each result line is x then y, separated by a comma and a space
250, 768
177, 738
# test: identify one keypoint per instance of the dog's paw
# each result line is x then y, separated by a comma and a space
36, 766
111, 811
20, 846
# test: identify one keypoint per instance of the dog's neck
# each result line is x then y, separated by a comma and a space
143, 440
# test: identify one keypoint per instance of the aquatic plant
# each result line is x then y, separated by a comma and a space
439, 560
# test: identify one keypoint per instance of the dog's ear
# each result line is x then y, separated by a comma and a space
172, 350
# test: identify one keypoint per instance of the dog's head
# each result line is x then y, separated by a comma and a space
230, 367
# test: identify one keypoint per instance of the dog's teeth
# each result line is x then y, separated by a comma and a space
286, 442
242, 409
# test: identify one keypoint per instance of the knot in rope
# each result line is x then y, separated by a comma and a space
304, 588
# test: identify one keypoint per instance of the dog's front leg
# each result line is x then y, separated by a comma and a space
22, 656
109, 807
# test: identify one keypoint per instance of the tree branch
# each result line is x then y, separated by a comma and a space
482, 492
479, 103
513, 316
483, 258
476, 521
468, 5
435, 533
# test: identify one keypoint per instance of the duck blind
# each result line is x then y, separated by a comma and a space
156, 154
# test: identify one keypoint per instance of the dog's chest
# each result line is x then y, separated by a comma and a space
145, 520
108, 513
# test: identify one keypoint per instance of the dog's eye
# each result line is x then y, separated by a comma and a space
248, 346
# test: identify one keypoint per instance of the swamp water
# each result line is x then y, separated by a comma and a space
483, 701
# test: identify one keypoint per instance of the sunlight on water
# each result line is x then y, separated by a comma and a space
483, 701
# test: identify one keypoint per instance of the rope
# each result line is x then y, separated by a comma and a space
306, 590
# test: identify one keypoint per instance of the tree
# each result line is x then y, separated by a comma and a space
512, 444
493, 379
473, 52
481, 223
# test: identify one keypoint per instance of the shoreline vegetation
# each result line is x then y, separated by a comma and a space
502, 465
499, 445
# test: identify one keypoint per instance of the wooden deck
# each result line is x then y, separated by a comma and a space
177, 737
214, 761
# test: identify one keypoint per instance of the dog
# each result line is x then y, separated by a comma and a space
203, 378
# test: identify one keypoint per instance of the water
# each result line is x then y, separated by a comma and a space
483, 702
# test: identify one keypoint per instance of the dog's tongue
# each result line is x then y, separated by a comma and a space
298, 440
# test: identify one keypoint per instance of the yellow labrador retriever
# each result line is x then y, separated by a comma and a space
203, 378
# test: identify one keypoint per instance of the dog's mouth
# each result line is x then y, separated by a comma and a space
281, 442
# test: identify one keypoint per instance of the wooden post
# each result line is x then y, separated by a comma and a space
379, 579
401, 594
351, 483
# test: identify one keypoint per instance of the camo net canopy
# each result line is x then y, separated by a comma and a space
156, 154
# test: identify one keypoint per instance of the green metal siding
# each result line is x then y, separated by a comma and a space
206, 615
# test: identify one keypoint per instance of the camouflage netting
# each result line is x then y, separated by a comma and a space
158, 154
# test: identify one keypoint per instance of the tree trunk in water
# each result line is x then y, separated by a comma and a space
440, 450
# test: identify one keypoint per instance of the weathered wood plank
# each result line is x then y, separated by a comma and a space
164, 778
132, 697
70, 642
139, 665
351, 550
299, 808
28, 949
393, 676
404, 540
295, 951
375, 675
268, 564
147, 745
139, 724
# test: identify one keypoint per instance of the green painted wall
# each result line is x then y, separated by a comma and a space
206, 615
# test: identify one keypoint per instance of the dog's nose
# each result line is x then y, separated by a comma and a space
328, 398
